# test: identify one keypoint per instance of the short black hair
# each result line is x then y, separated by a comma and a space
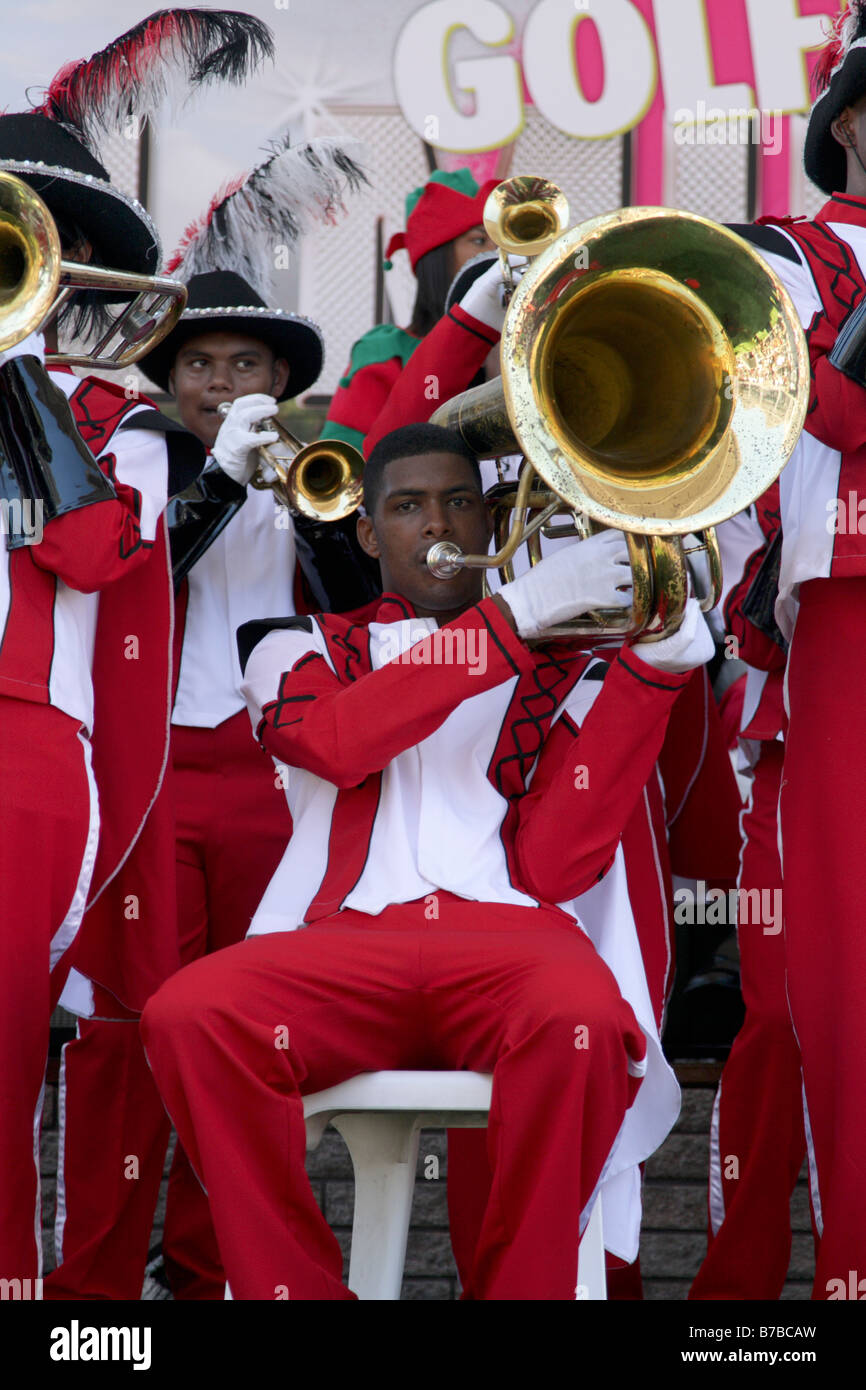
409, 441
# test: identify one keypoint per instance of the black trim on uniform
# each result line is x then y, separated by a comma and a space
851, 201
848, 354
198, 514
508, 657
339, 574
250, 634
474, 331
769, 239
187, 456
43, 457
657, 685
399, 603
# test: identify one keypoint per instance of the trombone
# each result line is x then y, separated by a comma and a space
655, 377
35, 283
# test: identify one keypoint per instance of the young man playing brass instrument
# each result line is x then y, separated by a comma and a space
432, 759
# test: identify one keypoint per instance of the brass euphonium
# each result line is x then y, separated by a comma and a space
656, 378
321, 481
35, 283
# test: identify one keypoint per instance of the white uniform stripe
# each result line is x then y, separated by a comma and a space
717, 1193
37, 1215
813, 1168
248, 572
66, 932
60, 1217
167, 746
663, 895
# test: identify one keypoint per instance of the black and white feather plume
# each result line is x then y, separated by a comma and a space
268, 208
167, 57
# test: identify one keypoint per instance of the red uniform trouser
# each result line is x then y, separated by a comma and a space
236, 1040
823, 821
48, 822
232, 827
757, 1139
650, 890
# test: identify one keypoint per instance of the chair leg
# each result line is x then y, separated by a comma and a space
384, 1152
591, 1276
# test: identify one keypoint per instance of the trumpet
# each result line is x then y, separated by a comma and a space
35, 283
655, 377
320, 485
320, 481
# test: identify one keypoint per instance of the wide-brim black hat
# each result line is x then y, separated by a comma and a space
841, 79
221, 301
74, 185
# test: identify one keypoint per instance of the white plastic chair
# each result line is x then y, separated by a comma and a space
380, 1115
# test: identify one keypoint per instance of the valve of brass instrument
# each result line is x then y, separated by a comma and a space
321, 480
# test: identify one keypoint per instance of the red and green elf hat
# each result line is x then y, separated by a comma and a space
443, 208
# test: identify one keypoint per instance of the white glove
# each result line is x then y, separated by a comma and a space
691, 645
571, 581
484, 300
235, 446
31, 346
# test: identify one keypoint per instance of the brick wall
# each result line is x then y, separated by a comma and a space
673, 1240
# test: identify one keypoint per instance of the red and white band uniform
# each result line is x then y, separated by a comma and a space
689, 813
231, 825
85, 617
822, 594
757, 1137
428, 793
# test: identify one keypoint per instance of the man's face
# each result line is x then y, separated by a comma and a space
434, 497
215, 367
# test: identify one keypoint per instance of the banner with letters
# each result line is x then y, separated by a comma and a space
699, 104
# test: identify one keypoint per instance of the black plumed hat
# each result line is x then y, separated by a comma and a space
222, 302
74, 185
840, 80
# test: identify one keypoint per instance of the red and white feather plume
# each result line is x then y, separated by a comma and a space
268, 208
168, 56
845, 29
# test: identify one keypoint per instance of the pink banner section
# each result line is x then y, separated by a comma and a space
774, 174
588, 57
486, 165
648, 160
725, 59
